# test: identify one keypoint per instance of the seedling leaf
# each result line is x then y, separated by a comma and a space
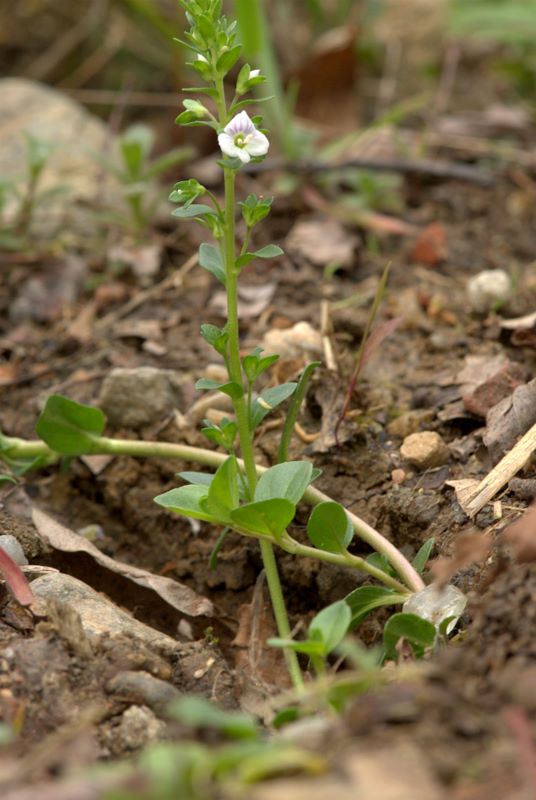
268, 517
366, 598
186, 500
69, 427
418, 632
288, 480
421, 559
330, 625
222, 495
329, 527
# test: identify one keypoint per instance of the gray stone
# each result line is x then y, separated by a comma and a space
138, 686
133, 398
12, 548
77, 136
98, 615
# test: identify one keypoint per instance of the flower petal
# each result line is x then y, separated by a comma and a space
227, 145
243, 155
240, 123
258, 144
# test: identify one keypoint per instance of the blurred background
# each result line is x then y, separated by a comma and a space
342, 62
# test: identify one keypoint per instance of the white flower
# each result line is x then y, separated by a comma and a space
254, 73
202, 58
241, 139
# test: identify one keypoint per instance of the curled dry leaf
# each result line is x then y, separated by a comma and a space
176, 594
521, 536
15, 579
469, 548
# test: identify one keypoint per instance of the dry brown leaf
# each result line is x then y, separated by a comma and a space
176, 594
469, 548
143, 260
521, 536
510, 419
322, 241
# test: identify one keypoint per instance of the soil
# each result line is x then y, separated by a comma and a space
470, 711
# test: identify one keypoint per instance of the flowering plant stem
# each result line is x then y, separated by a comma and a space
103, 445
239, 403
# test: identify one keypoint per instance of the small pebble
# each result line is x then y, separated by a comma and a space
398, 476
138, 727
488, 289
425, 450
12, 548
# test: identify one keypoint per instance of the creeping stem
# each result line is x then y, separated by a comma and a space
15, 448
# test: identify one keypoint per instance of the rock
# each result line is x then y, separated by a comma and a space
133, 398
143, 688
138, 727
12, 548
496, 388
51, 117
488, 289
99, 616
425, 450
295, 342
409, 422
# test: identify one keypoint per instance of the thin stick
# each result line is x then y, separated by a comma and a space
502, 472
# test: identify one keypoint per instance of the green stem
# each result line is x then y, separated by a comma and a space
290, 545
14, 448
240, 405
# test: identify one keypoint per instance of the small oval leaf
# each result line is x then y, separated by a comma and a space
329, 527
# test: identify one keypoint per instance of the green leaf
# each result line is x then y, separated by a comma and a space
418, 632
366, 598
329, 527
270, 251
167, 160
228, 59
193, 210
254, 365
199, 478
293, 410
198, 712
288, 480
268, 400
216, 337
307, 647
210, 259
268, 517
223, 491
380, 561
421, 559
69, 427
136, 144
330, 625
186, 500
233, 390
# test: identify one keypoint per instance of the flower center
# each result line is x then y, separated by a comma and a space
241, 140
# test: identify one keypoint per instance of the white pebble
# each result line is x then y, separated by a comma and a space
487, 289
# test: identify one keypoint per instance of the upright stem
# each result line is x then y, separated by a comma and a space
240, 405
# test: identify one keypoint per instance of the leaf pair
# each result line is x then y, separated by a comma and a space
216, 498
